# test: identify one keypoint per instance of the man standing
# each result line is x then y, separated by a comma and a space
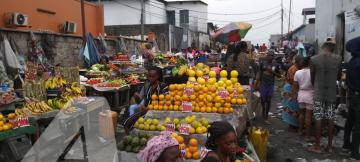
353, 83
325, 69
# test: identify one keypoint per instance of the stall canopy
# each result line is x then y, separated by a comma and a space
232, 32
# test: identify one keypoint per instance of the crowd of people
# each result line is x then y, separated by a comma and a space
309, 95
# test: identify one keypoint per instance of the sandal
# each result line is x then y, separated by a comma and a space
314, 150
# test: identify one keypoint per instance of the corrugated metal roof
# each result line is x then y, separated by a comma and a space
186, 1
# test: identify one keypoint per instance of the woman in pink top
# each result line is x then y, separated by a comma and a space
304, 91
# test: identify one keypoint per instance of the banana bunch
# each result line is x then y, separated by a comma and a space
54, 82
19, 112
37, 108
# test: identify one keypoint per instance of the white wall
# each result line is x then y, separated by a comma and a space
118, 14
197, 21
326, 19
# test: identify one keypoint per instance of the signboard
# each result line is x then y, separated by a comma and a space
223, 93
188, 91
184, 129
187, 106
170, 127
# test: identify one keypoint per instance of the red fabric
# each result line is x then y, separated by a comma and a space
234, 36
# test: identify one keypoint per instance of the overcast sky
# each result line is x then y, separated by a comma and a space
262, 28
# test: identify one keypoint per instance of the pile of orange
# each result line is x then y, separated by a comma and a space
180, 139
192, 152
5, 126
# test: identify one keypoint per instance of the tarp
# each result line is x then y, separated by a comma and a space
90, 52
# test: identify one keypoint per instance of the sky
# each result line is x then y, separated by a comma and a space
263, 15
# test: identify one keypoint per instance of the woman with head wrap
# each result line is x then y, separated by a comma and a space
162, 148
222, 143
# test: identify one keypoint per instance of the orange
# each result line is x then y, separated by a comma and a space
197, 109
226, 110
217, 105
161, 107
203, 109
196, 155
161, 102
218, 99
201, 104
154, 97
214, 110
228, 105
150, 107
172, 87
171, 107
192, 130
192, 97
188, 155
193, 142
161, 97
239, 101
185, 98
209, 104
244, 101
201, 97
176, 108
231, 110
11, 116
178, 103
233, 101
209, 98
174, 135
156, 107
166, 108
208, 109
172, 93
220, 110
228, 100
180, 93
168, 97
155, 102
182, 146
205, 89
193, 149
180, 139
168, 102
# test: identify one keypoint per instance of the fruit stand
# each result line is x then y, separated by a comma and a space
188, 110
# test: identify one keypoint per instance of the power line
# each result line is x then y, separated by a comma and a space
249, 13
265, 25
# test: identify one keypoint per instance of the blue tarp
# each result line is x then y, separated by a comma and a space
90, 52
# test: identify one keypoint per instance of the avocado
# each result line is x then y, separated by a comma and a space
143, 141
135, 141
136, 149
127, 140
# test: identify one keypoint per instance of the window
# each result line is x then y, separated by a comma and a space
184, 17
170, 17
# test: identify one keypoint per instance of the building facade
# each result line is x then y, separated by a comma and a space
51, 15
339, 20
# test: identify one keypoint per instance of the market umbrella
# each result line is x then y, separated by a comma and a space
232, 32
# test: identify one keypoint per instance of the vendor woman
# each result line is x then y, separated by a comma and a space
240, 62
154, 85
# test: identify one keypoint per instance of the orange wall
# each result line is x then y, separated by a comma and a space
65, 10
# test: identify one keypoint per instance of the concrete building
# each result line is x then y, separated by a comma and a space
276, 39
306, 31
177, 24
337, 19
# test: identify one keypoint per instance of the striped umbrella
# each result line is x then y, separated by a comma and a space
232, 32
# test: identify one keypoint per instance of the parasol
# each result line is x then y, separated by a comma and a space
232, 32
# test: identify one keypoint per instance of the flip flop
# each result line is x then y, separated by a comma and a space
313, 150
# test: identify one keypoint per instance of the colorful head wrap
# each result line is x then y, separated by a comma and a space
156, 146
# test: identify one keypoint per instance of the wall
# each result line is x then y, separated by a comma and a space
197, 21
161, 32
59, 48
276, 38
327, 20
309, 33
64, 10
128, 12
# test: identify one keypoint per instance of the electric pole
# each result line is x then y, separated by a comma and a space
289, 16
282, 23
142, 19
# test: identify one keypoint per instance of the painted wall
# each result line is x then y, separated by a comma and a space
197, 21
65, 10
327, 20
128, 12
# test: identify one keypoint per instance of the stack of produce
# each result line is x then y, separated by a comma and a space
98, 71
35, 90
149, 125
134, 143
55, 83
206, 94
37, 107
7, 97
4, 124
112, 83
71, 91
192, 152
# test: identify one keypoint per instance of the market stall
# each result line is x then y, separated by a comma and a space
188, 110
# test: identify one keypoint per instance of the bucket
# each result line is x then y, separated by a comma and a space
107, 123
